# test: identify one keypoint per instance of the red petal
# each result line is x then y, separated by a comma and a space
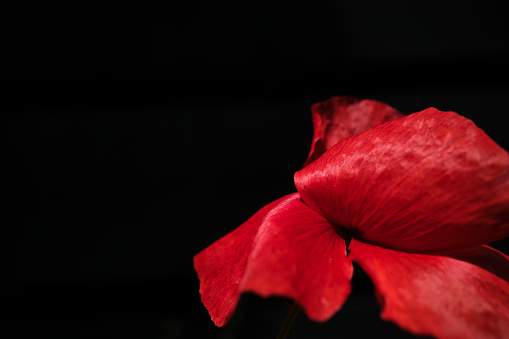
285, 249
440, 295
425, 182
340, 117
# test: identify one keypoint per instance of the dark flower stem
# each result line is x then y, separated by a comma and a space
288, 321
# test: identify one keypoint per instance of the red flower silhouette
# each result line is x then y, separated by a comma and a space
415, 197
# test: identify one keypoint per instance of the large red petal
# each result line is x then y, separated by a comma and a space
440, 295
285, 249
425, 182
340, 117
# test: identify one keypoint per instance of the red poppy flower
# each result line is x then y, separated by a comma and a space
414, 199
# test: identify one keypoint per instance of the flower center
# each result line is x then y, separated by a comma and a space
346, 235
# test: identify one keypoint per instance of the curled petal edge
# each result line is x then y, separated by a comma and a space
285, 249
343, 116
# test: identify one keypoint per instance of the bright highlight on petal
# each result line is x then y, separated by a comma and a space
285, 249
426, 182
441, 296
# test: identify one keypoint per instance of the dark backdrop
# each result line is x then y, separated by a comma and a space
139, 133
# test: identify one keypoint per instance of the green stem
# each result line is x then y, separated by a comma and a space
288, 321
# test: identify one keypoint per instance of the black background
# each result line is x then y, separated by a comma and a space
139, 133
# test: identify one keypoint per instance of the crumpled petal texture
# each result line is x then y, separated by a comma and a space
343, 116
427, 182
443, 296
285, 249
